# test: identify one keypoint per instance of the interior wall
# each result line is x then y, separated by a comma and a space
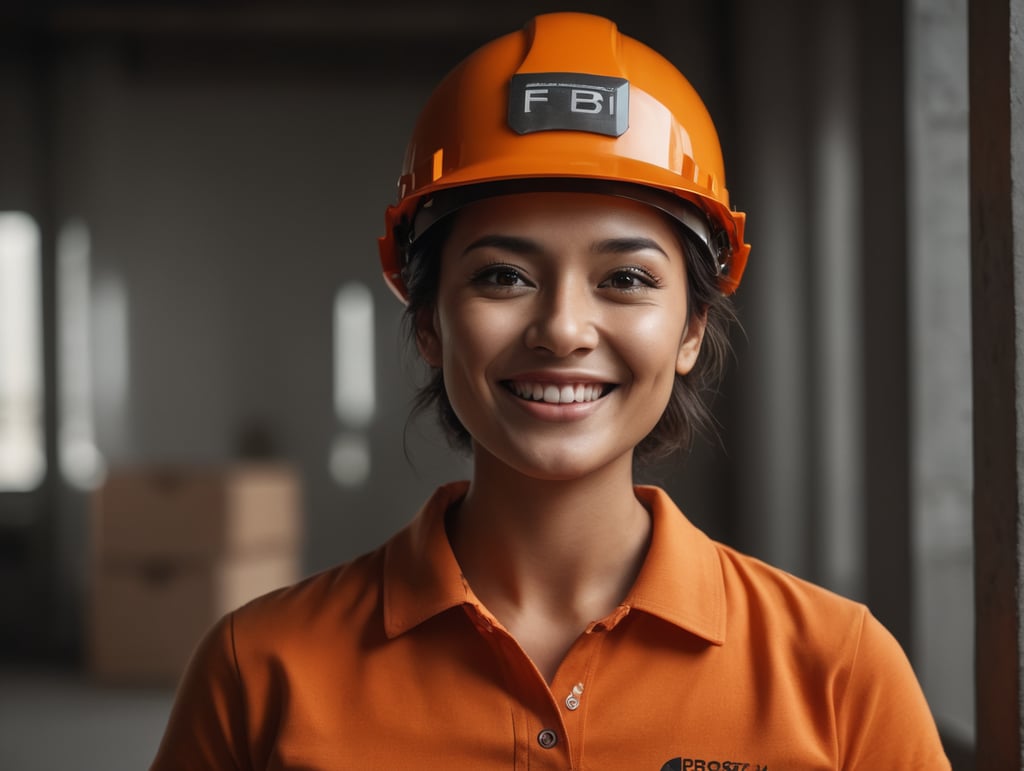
231, 210
26, 522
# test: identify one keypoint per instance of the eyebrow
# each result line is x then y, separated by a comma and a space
515, 244
519, 245
628, 245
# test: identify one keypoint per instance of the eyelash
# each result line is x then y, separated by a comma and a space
489, 274
650, 281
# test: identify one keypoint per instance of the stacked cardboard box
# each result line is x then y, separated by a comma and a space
174, 549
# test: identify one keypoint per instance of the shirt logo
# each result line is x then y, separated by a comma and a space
573, 101
700, 764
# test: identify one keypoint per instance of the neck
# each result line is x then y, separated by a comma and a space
554, 547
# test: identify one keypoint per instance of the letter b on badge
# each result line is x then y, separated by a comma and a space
586, 101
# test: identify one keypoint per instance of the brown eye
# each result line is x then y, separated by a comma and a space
624, 280
504, 276
633, 279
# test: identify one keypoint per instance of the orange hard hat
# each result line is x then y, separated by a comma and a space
567, 100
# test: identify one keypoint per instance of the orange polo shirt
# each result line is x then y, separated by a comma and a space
713, 662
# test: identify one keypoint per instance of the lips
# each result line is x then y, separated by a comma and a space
557, 393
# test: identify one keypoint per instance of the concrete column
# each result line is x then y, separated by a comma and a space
940, 358
996, 29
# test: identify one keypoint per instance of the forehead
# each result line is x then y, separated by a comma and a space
564, 215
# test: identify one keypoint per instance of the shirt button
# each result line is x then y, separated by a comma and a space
547, 738
572, 701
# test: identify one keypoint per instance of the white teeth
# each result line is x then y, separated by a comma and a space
553, 394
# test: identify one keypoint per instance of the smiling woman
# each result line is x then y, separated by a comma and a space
565, 246
687, 411
527, 304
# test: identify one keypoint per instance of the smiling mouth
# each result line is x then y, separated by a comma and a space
558, 394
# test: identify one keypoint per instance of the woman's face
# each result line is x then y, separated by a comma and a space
560, 324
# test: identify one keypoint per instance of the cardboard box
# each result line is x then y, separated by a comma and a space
174, 549
147, 617
162, 512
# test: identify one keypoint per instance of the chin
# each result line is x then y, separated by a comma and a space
561, 464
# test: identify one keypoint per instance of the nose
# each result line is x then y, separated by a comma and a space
564, 319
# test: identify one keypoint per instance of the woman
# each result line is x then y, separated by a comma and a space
565, 246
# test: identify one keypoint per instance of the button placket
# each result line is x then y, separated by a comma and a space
532, 701
581, 661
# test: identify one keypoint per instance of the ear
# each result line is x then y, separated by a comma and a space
689, 346
428, 338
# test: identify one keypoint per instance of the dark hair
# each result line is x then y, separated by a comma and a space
688, 411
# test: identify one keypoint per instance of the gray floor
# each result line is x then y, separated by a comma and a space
53, 721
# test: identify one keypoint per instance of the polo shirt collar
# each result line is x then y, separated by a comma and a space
680, 581
421, 575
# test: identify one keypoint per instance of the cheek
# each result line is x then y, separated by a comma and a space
473, 336
653, 341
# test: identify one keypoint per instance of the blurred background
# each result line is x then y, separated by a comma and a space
191, 304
